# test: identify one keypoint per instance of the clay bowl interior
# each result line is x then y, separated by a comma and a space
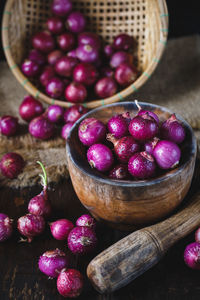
129, 204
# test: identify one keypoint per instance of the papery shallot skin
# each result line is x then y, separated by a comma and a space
70, 283
6, 227
119, 172
61, 228
11, 165
117, 125
100, 157
31, 226
8, 125
41, 128
40, 205
82, 240
87, 221
124, 147
167, 154
173, 130
192, 255
73, 113
52, 262
143, 128
30, 108
61, 8
91, 131
142, 165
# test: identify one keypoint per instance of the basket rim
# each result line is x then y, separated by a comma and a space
120, 96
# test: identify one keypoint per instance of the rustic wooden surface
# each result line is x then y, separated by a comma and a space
20, 278
133, 255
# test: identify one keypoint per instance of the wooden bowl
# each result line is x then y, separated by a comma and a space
129, 204
146, 20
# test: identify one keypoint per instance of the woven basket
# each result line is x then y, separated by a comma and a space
146, 20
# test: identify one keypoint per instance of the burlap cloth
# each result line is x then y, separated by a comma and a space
175, 84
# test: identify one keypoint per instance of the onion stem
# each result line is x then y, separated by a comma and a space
43, 176
137, 104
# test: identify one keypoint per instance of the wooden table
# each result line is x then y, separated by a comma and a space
21, 279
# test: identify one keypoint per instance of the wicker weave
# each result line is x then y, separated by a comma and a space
146, 20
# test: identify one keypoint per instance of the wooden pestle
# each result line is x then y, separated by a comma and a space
130, 257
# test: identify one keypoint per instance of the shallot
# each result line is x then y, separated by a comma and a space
82, 240
66, 130
54, 56
41, 128
66, 41
55, 25
43, 41
173, 130
75, 92
167, 154
192, 255
125, 74
89, 38
60, 229
105, 87
52, 262
11, 165
40, 205
70, 283
119, 172
65, 65
150, 145
30, 108
8, 125
73, 113
143, 111
61, 8
76, 22
91, 131
6, 227
85, 73
124, 42
143, 127
100, 157
47, 74
107, 72
36, 56
30, 68
72, 53
55, 113
142, 165
87, 221
31, 226
197, 235
124, 147
118, 126
55, 87
87, 53
118, 58
108, 50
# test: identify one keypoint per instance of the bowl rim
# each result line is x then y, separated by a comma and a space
128, 183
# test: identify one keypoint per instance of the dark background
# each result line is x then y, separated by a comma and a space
184, 18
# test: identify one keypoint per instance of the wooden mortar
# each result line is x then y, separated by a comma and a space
129, 204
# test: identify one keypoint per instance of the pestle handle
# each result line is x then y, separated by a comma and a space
130, 257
